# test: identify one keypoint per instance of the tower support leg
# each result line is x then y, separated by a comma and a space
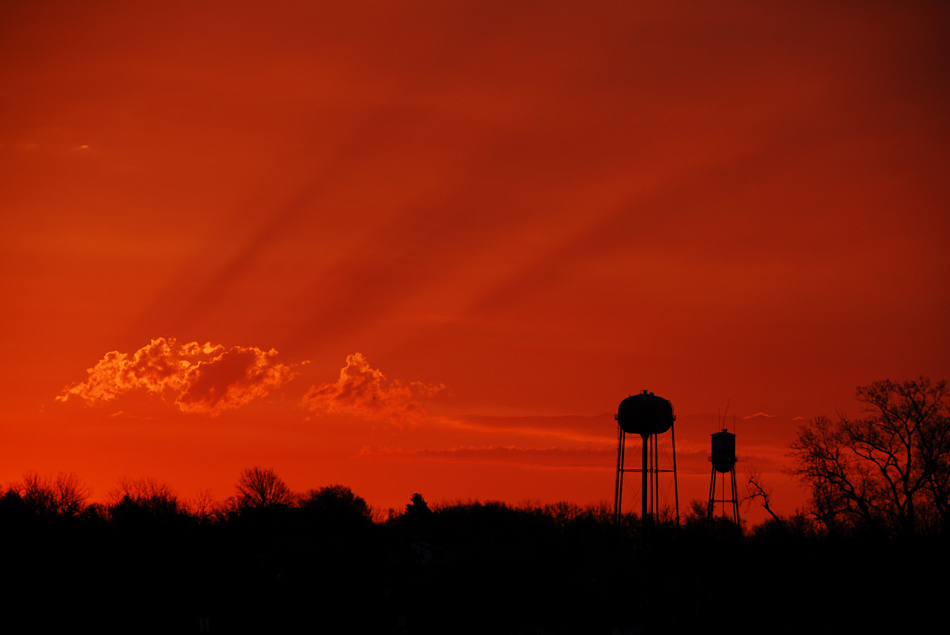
645, 481
618, 487
676, 489
735, 497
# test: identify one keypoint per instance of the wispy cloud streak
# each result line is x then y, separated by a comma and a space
552, 458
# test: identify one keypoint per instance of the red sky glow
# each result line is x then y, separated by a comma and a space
429, 247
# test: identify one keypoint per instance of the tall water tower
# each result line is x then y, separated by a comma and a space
649, 416
724, 462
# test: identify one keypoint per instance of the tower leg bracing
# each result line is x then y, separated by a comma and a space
730, 504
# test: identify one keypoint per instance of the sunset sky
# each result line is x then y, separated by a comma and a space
430, 246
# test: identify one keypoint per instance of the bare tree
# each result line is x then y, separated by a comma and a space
262, 488
64, 496
150, 495
888, 471
756, 489
204, 507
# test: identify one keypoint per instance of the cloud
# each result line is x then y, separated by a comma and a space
365, 392
600, 428
206, 378
760, 414
551, 458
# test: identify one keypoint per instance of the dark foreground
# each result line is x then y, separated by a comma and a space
468, 568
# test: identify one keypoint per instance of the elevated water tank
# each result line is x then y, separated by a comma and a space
723, 451
645, 414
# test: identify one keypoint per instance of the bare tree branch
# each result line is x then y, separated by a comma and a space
756, 490
262, 488
889, 470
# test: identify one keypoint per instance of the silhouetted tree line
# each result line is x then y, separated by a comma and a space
319, 561
857, 559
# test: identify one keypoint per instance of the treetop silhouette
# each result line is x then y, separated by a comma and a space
261, 488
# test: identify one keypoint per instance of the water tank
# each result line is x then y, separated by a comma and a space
723, 451
645, 414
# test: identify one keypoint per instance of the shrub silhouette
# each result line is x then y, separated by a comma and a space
336, 506
417, 507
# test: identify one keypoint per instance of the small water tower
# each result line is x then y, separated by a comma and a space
724, 462
649, 416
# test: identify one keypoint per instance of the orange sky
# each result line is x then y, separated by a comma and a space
516, 213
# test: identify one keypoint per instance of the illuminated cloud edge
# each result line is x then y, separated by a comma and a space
366, 393
205, 378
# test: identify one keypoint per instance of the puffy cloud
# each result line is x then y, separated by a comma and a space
365, 392
206, 378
